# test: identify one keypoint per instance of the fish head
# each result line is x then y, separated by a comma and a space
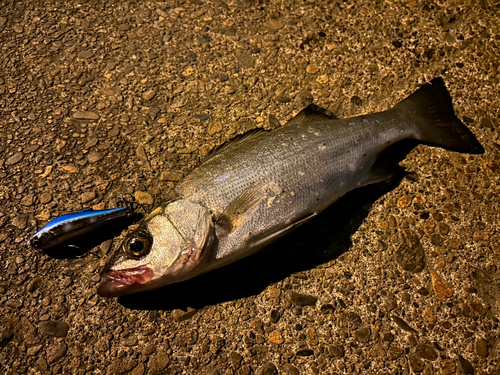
171, 245
42, 240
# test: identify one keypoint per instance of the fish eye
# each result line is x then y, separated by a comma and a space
138, 244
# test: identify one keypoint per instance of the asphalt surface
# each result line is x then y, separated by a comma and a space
103, 98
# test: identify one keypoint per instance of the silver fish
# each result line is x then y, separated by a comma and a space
266, 183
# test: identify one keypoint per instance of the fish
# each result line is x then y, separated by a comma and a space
264, 184
68, 227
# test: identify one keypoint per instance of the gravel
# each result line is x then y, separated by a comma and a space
115, 98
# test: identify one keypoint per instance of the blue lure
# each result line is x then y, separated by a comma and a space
70, 226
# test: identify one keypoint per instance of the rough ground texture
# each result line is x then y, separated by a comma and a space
103, 98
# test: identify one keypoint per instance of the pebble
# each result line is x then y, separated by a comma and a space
85, 55
245, 60
20, 221
273, 292
466, 366
394, 352
54, 328
3, 21
159, 362
87, 196
55, 352
429, 315
180, 315
304, 352
322, 79
273, 25
481, 347
34, 349
402, 324
143, 198
235, 360
94, 157
289, 369
363, 334
150, 94
302, 299
268, 369
276, 338
416, 364
425, 351
70, 168
124, 27
170, 175
410, 255
28, 200
141, 154
312, 337
130, 341
18, 28
404, 201
312, 69
378, 351
45, 198
85, 115
440, 289
14, 159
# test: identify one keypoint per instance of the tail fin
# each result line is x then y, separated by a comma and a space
431, 109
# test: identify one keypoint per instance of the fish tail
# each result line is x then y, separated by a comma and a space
431, 109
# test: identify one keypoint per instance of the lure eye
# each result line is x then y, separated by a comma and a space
138, 244
36, 243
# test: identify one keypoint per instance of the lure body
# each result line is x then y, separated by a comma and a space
69, 226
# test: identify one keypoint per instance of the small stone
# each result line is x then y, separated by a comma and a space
402, 324
394, 352
363, 334
201, 116
429, 315
448, 368
284, 99
322, 79
159, 362
170, 175
55, 352
426, 352
34, 349
276, 338
410, 255
94, 157
20, 221
312, 69
466, 366
481, 347
274, 316
214, 128
378, 351
404, 201
130, 341
28, 200
244, 59
302, 299
18, 28
85, 115
3, 21
150, 94
267, 369
416, 364
45, 198
70, 168
188, 72
273, 25
337, 351
304, 352
288, 369
235, 360
87, 196
143, 198
273, 292
124, 27
54, 328
41, 363
180, 315
440, 289
14, 159
83, 55
312, 337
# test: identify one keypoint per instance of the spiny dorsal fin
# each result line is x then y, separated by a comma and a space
240, 138
274, 122
312, 113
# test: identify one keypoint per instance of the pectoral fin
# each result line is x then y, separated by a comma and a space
228, 221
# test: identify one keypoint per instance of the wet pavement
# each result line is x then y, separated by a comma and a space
99, 99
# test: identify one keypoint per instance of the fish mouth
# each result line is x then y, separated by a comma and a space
116, 283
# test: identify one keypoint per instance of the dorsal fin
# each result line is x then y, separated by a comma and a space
274, 122
312, 113
234, 141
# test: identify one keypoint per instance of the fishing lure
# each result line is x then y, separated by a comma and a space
64, 229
